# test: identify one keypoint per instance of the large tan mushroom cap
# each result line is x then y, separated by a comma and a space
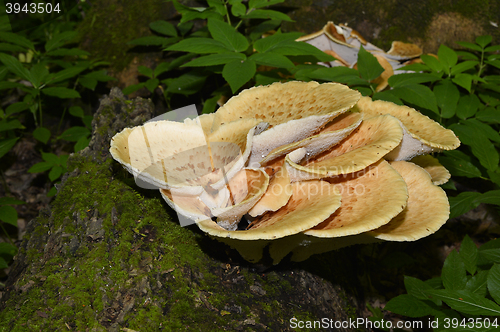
426, 211
403, 51
422, 135
330, 135
311, 203
439, 174
370, 199
294, 111
370, 142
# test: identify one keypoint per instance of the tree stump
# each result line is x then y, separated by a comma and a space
109, 256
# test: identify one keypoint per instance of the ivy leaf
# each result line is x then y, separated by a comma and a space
453, 274
8, 215
368, 66
447, 97
61, 92
408, 305
468, 106
200, 46
42, 134
226, 34
466, 302
468, 253
164, 28
238, 72
215, 59
463, 203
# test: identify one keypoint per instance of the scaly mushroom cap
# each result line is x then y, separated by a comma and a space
439, 174
366, 202
426, 211
422, 135
311, 203
373, 139
294, 111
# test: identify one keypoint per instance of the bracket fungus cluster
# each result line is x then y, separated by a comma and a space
297, 167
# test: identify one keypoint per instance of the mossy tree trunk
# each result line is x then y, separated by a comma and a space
106, 256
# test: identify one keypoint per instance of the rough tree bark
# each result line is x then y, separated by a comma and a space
107, 256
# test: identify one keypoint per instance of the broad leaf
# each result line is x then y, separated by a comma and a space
472, 46
55, 173
416, 287
447, 96
152, 84
368, 66
65, 74
6, 145
466, 302
8, 215
468, 253
15, 66
468, 106
463, 80
186, 84
16, 39
215, 59
490, 197
16, 108
481, 146
454, 275
267, 14
463, 66
40, 167
73, 134
163, 27
463, 203
146, 71
59, 39
418, 95
477, 284
226, 34
411, 78
447, 57
483, 41
82, 143
487, 130
237, 73
494, 282
408, 305
61, 92
272, 60
200, 46
42, 134
265, 44
432, 62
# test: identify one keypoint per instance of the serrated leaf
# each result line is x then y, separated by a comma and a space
42, 134
237, 73
463, 66
468, 106
447, 57
483, 41
368, 66
468, 253
15, 66
73, 134
432, 62
408, 305
471, 46
186, 84
447, 97
16, 39
462, 203
6, 145
465, 302
59, 39
55, 173
487, 130
215, 59
61, 92
490, 197
163, 27
8, 215
267, 14
418, 95
453, 273
226, 34
272, 60
494, 282
200, 46
477, 284
481, 146
65, 74
415, 287
463, 80
10, 201
411, 78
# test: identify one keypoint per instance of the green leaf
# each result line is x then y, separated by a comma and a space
6, 145
418, 95
453, 274
480, 144
490, 197
88, 83
10, 85
387, 96
3, 263
76, 111
146, 71
100, 75
432, 62
465, 302
40, 167
292, 47
52, 192
200, 46
487, 130
468, 106
238, 9
463, 80
215, 59
163, 27
73, 134
8, 215
68, 52
411, 78
477, 284
267, 14
50, 157
16, 39
55, 173
226, 34
15, 66
61, 92
262, 3
447, 97
447, 57
82, 143
59, 40
483, 41
186, 84
10, 125
237, 73
16, 108
272, 60
149, 41
494, 282
267, 44
368, 66
210, 104
38, 75
132, 88
415, 287
471, 46
42, 134
463, 66
152, 84
219, 6
65, 74
10, 201
7, 249
408, 305
468, 253
257, 31
462, 203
